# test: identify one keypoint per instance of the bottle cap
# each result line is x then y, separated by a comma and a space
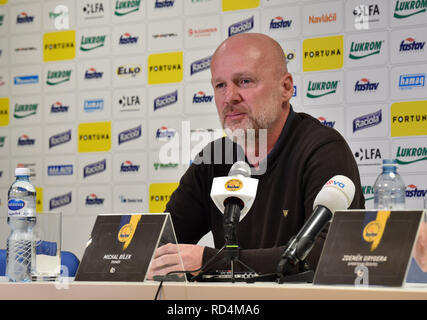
389, 162
22, 172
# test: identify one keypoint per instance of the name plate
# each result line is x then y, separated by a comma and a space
367, 247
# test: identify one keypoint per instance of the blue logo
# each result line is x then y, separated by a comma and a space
16, 204
163, 133
58, 107
26, 79
365, 85
200, 65
24, 140
201, 97
60, 138
410, 81
127, 38
241, 26
94, 168
23, 17
166, 100
60, 201
367, 121
128, 166
295, 91
93, 199
60, 170
279, 23
93, 74
91, 105
129, 135
325, 122
164, 4
410, 45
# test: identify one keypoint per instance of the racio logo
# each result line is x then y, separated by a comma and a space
59, 139
241, 26
367, 121
166, 100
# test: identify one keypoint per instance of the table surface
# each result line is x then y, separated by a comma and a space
65, 289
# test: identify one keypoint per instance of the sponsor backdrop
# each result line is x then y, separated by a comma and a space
107, 101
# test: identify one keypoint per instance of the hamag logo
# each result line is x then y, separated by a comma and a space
361, 50
125, 7
201, 97
92, 42
406, 9
325, 122
279, 23
127, 166
129, 135
367, 121
166, 100
25, 110
241, 26
91, 105
59, 139
411, 81
200, 65
127, 39
60, 170
57, 77
60, 201
321, 88
364, 85
409, 45
94, 168
23, 18
91, 73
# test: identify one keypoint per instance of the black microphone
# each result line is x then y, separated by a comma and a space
336, 194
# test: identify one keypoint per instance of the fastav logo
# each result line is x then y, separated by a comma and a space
201, 97
159, 4
411, 81
25, 140
128, 166
60, 170
59, 139
94, 168
363, 85
165, 100
91, 73
241, 26
410, 45
129, 135
23, 17
325, 122
93, 199
165, 134
127, 39
367, 121
279, 23
413, 192
60, 201
58, 107
200, 65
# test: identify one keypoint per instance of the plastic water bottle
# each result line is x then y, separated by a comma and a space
21, 218
389, 188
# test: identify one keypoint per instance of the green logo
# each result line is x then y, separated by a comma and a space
2, 140
406, 156
126, 7
360, 50
169, 165
406, 9
368, 192
25, 110
92, 43
320, 89
57, 77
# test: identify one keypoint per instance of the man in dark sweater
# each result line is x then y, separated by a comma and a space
252, 91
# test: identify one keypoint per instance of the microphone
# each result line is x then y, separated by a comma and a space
234, 196
336, 194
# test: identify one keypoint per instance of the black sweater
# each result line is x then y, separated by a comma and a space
306, 155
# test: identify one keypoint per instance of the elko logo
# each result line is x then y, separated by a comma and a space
406, 9
125, 7
165, 67
323, 53
367, 121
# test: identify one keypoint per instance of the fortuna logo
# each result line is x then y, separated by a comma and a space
164, 134
60, 138
241, 26
60, 170
364, 85
166, 100
128, 166
128, 71
325, 122
130, 134
405, 9
415, 192
165, 67
410, 45
324, 88
322, 53
58, 107
410, 118
25, 110
360, 50
92, 43
123, 8
23, 17
410, 81
419, 153
57, 77
324, 18
93, 74
126, 38
201, 97
279, 23
94, 168
164, 4
367, 121
24, 140
93, 199
60, 201
200, 65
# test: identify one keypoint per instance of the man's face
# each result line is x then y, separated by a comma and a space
247, 90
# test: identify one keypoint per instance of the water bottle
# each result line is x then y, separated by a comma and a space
20, 256
389, 188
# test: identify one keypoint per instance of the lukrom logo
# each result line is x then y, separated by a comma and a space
416, 153
361, 50
321, 88
57, 77
406, 9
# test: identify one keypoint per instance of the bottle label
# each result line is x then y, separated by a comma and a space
16, 207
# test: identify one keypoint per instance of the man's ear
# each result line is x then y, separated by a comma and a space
287, 84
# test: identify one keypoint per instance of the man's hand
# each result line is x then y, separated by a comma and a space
167, 259
420, 251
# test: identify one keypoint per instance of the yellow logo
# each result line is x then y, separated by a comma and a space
3, 2
230, 5
127, 232
159, 194
233, 185
59, 45
165, 67
374, 230
408, 118
39, 199
94, 137
4, 112
323, 53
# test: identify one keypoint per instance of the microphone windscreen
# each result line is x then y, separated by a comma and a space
240, 168
336, 194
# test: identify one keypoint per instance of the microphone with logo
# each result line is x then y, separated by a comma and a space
336, 194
